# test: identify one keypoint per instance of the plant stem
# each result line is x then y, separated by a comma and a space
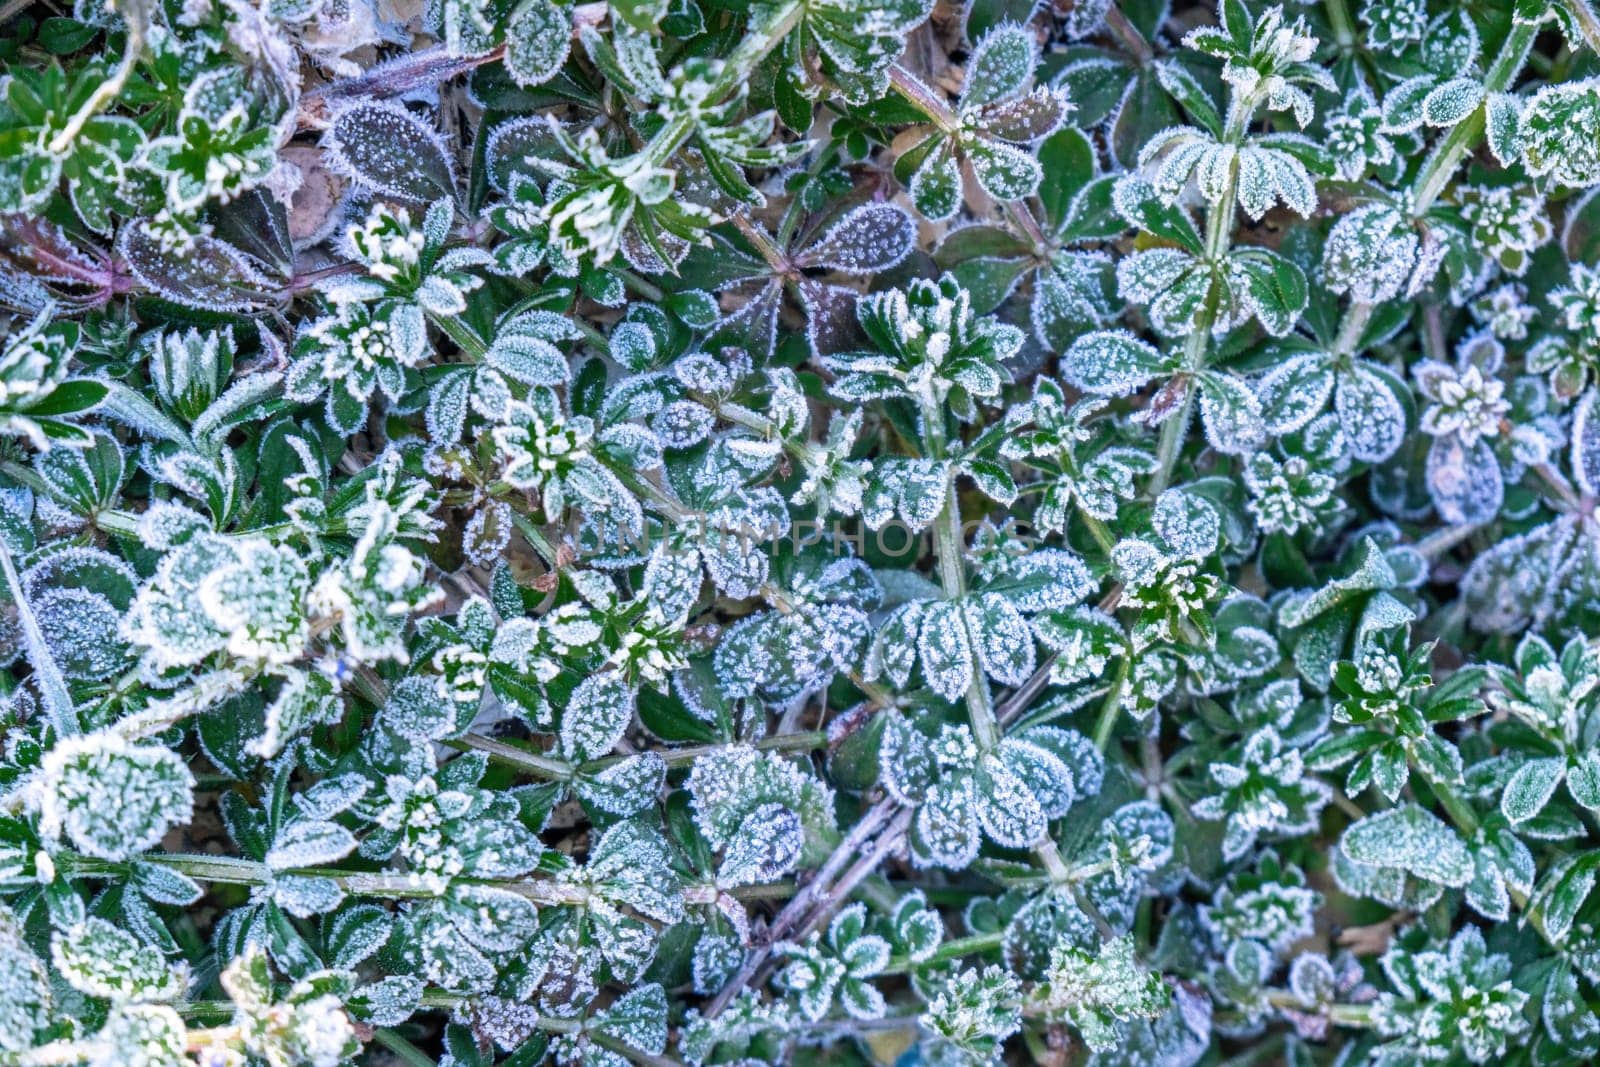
1588, 24
1128, 34
949, 547
389, 885
639, 285
673, 511
1353, 1015
1107, 718
462, 334
757, 42
1441, 164
1459, 810
1344, 34
1170, 445
1018, 701
403, 1050
58, 703
802, 741
919, 95
1219, 237
137, 18
530, 763
950, 950
770, 253
1351, 328
535, 537
1443, 540
1098, 530
816, 895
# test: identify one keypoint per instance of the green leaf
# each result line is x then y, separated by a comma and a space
1531, 788
1413, 840
538, 40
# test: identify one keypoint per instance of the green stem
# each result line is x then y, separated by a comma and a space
1099, 531
740, 415
1443, 540
639, 285
1344, 34
1219, 238
58, 703
736, 69
1441, 164
136, 16
1459, 810
1351, 327
389, 885
117, 523
770, 253
670, 509
803, 741
1583, 17
919, 95
1353, 1015
1170, 444
596, 339
535, 537
951, 950
462, 334
949, 548
403, 1050
1265, 1050
1127, 33
1110, 706
530, 763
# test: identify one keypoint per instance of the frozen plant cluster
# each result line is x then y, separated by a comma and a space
851, 532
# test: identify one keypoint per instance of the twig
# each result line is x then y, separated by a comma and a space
761, 965
1018, 702
887, 842
799, 906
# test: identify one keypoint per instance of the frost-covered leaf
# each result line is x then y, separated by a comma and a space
310, 843
867, 239
765, 849
538, 40
387, 149
1111, 363
1001, 65
111, 798
1413, 840
1231, 414
1531, 788
1560, 133
205, 273
596, 716
100, 960
945, 650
